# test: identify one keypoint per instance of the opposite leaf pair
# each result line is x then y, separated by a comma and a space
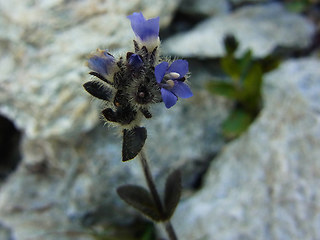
140, 198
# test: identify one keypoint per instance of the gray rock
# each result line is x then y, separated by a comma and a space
5, 233
204, 7
261, 28
263, 185
248, 1
70, 187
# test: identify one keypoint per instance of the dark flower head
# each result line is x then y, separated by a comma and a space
171, 81
102, 63
130, 84
147, 31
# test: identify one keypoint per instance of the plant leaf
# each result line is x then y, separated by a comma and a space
296, 6
237, 122
245, 63
139, 198
269, 63
133, 141
230, 66
253, 80
230, 44
98, 90
222, 88
172, 193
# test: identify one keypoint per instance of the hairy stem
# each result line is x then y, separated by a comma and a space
155, 195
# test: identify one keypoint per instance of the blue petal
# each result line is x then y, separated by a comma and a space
135, 61
101, 64
143, 28
160, 71
168, 98
179, 66
98, 64
181, 90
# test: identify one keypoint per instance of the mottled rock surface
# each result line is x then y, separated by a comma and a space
264, 184
261, 28
5, 233
204, 7
248, 1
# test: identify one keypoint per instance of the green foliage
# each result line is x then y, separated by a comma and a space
244, 76
298, 6
137, 231
222, 88
148, 233
237, 122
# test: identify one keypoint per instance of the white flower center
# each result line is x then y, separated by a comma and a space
170, 83
172, 75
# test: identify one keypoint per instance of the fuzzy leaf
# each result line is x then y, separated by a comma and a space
172, 193
98, 75
97, 90
237, 122
222, 88
133, 141
139, 198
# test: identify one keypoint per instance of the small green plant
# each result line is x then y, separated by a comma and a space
299, 6
242, 84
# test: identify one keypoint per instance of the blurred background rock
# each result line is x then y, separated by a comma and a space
60, 165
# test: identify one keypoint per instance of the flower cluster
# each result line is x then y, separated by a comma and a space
129, 85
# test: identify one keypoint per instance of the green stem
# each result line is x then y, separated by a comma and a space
155, 195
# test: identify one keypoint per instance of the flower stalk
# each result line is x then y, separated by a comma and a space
155, 195
128, 86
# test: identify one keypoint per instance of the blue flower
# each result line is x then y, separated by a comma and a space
171, 81
135, 61
145, 30
102, 63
